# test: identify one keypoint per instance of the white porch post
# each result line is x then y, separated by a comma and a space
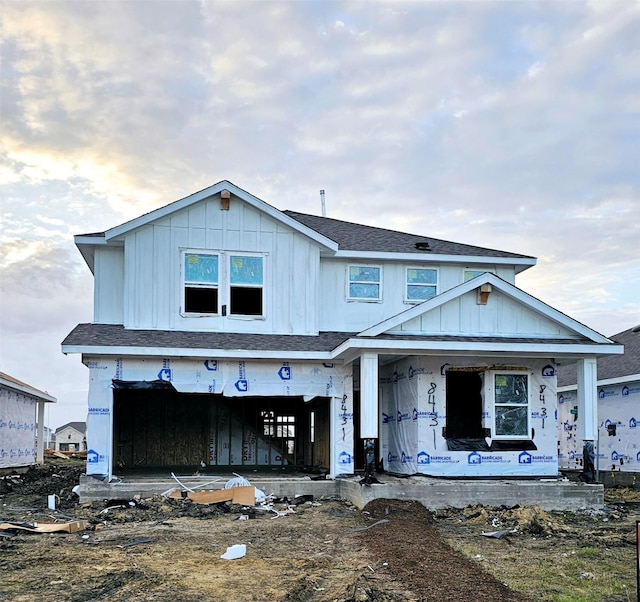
587, 399
40, 434
369, 396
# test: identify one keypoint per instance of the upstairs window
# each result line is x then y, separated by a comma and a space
471, 274
365, 283
422, 284
511, 405
246, 284
200, 283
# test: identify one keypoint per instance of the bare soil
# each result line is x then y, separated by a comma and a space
318, 550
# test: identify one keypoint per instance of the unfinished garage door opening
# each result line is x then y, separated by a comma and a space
157, 427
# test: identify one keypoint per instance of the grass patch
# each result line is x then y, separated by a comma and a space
555, 569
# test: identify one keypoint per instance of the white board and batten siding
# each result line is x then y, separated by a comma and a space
337, 313
108, 287
153, 278
501, 315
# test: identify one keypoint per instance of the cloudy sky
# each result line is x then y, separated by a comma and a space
510, 125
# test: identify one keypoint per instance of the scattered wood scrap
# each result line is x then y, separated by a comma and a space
244, 496
56, 454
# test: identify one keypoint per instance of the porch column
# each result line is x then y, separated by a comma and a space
369, 396
40, 433
587, 399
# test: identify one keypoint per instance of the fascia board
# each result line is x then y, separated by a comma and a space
196, 353
467, 259
620, 380
86, 246
546, 310
27, 390
409, 347
196, 197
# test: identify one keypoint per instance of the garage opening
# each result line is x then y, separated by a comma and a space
156, 427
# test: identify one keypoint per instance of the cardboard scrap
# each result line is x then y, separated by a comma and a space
72, 527
244, 496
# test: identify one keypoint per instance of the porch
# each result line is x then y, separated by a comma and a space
433, 493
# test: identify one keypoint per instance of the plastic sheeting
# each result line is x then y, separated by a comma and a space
17, 429
413, 422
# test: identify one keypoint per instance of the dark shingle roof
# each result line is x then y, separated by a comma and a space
81, 427
115, 335
358, 237
613, 366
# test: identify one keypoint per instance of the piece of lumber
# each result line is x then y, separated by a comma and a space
58, 454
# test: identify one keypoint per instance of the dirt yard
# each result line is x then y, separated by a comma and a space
315, 550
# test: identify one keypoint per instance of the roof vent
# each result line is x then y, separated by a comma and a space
422, 245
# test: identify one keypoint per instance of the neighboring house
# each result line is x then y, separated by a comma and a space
71, 437
617, 443
228, 333
21, 423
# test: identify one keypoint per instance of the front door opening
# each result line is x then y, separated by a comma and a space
464, 428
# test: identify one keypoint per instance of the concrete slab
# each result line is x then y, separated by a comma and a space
549, 494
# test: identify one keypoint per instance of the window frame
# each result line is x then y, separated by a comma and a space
435, 285
223, 285
194, 284
495, 405
229, 285
477, 272
349, 282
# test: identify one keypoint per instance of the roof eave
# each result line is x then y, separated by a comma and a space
353, 347
521, 263
27, 390
192, 352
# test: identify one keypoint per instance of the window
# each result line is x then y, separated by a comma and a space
471, 274
511, 405
200, 283
422, 284
245, 285
221, 284
365, 283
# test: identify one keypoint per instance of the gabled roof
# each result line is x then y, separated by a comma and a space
87, 242
81, 427
17, 385
617, 367
504, 287
336, 237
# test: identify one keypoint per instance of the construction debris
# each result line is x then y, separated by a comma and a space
499, 534
245, 496
234, 552
70, 527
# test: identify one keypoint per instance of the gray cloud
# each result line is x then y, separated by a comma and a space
507, 125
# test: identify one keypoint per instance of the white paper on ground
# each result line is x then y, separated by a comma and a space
235, 552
